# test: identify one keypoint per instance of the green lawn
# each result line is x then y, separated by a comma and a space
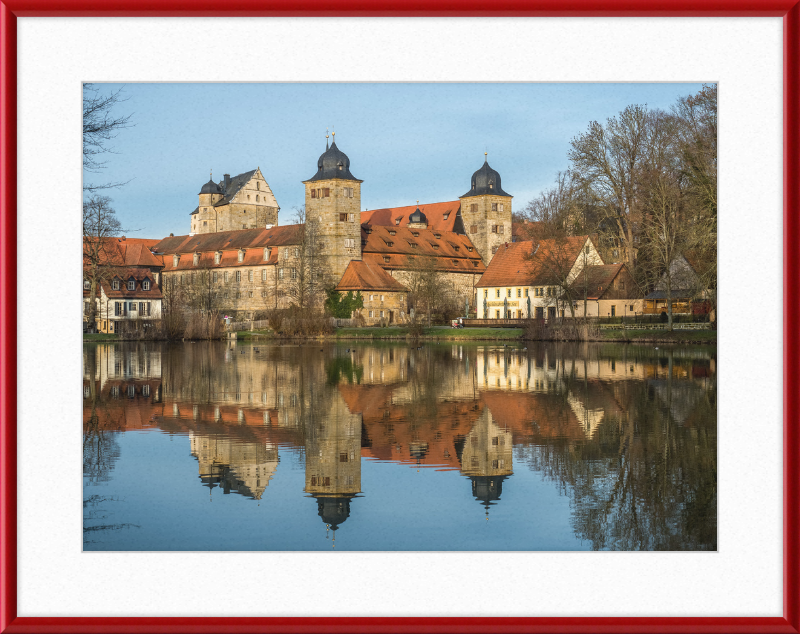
246, 335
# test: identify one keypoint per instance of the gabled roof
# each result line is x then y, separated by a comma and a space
239, 239
434, 212
453, 251
363, 276
512, 264
598, 279
124, 251
229, 191
139, 274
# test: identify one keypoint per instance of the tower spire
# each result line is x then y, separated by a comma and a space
326, 139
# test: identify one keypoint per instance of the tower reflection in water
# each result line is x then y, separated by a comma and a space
581, 418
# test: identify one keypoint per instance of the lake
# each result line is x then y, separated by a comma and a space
372, 446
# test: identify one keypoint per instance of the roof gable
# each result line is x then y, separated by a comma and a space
514, 263
360, 275
441, 216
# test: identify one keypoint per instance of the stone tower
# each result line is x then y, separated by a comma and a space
333, 213
486, 211
242, 202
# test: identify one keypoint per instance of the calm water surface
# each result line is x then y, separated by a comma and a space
357, 446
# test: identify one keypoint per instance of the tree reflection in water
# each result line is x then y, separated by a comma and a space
628, 434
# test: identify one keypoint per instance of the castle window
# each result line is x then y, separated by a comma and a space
280, 274
415, 234
238, 276
256, 198
238, 294
146, 285
381, 300
258, 185
205, 223
519, 292
131, 285
250, 294
286, 254
494, 249
248, 198
313, 193
86, 285
205, 208
244, 226
473, 229
500, 207
385, 258
263, 293
349, 242
326, 192
297, 252
455, 261
392, 232
217, 257
494, 206
196, 259
413, 245
225, 276
473, 207
342, 217
388, 243
215, 277
475, 263
351, 217
175, 259
498, 292
250, 276
263, 275
225, 295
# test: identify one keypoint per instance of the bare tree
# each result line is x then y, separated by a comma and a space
100, 126
202, 293
173, 307
609, 160
428, 285
102, 257
307, 279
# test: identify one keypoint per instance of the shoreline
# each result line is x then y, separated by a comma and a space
684, 337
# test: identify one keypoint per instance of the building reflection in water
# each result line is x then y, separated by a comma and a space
573, 413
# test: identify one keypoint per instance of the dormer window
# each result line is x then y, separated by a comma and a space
266, 253
475, 263
386, 258
175, 260
115, 285
392, 233
455, 261
146, 285
397, 222
389, 243
446, 216
131, 285
456, 248
86, 285
435, 246
413, 245
438, 236
217, 257
415, 234
241, 255
196, 259
469, 249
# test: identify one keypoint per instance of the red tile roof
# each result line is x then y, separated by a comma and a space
513, 264
361, 275
435, 212
139, 274
240, 239
598, 279
453, 251
228, 243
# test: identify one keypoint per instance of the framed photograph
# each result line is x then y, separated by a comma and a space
449, 365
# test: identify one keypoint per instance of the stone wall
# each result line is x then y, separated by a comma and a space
487, 229
337, 215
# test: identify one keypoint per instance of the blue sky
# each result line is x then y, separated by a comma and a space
405, 141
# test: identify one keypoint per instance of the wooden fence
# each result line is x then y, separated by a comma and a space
238, 326
658, 326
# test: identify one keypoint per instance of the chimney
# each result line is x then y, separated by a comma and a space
227, 181
171, 235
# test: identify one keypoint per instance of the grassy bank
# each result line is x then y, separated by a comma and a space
659, 336
448, 334
101, 336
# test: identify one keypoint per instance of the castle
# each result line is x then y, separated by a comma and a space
237, 247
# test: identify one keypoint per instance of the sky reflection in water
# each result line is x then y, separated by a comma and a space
217, 446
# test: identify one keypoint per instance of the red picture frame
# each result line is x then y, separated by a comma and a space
789, 10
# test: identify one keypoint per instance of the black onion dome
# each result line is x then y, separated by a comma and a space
333, 510
418, 216
211, 188
333, 163
486, 181
487, 489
